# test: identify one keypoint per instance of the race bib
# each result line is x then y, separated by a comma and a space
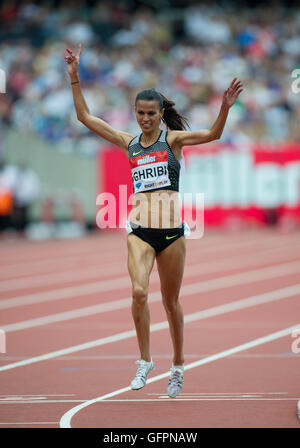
150, 171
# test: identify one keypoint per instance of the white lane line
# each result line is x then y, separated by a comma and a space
78, 313
161, 399
119, 356
89, 272
65, 421
67, 292
41, 297
35, 395
84, 273
211, 243
85, 246
211, 248
26, 267
29, 423
169, 400
50, 253
182, 394
204, 314
183, 397
189, 289
29, 269
40, 402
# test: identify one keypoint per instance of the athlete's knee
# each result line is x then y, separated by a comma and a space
171, 304
139, 295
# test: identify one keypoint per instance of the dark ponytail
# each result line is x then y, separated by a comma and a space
172, 119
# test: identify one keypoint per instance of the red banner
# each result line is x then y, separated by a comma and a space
255, 185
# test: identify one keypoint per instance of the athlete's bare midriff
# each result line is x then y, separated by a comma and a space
156, 209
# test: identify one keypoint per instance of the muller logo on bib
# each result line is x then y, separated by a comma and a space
146, 159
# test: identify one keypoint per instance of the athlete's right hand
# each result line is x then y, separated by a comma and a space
72, 61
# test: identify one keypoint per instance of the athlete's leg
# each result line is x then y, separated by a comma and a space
170, 265
141, 257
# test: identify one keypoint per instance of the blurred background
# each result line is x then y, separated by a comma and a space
52, 168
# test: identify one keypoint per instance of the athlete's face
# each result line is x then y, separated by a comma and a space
148, 115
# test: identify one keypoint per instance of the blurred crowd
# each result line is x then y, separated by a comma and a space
190, 51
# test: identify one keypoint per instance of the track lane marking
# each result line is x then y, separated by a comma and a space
225, 393
167, 399
30, 423
39, 401
163, 399
211, 249
204, 314
13, 281
189, 289
93, 271
65, 421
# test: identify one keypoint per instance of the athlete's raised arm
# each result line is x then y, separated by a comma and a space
95, 124
186, 138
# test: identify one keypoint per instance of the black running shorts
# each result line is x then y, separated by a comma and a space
159, 239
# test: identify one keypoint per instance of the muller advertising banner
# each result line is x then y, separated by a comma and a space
245, 183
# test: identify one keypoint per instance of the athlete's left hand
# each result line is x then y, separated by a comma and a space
230, 95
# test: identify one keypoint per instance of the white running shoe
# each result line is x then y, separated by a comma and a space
143, 370
175, 381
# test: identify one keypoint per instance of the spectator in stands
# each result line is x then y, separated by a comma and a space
26, 189
188, 52
6, 200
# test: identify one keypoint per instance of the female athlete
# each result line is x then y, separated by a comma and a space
154, 228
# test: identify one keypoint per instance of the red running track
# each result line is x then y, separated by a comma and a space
71, 345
